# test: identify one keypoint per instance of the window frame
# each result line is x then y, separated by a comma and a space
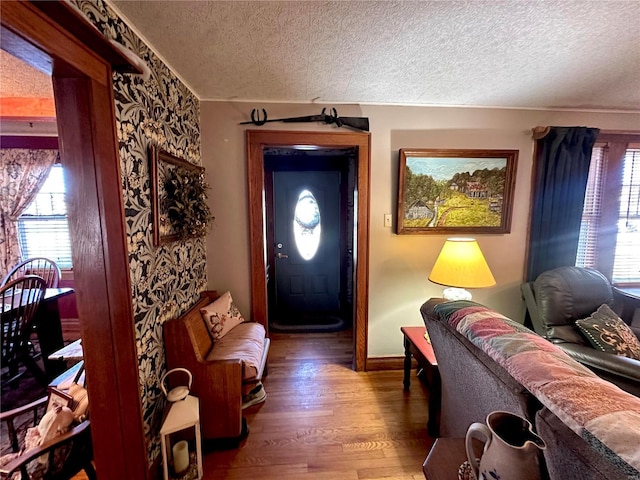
34, 142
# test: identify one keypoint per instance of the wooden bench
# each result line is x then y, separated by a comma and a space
217, 383
416, 345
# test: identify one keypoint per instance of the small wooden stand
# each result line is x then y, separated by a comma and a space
416, 345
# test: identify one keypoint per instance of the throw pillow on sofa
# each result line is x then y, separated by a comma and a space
608, 333
221, 316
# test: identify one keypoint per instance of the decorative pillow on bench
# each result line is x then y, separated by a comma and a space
221, 316
608, 333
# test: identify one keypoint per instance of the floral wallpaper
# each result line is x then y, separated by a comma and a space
167, 280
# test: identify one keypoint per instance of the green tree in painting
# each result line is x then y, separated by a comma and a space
423, 187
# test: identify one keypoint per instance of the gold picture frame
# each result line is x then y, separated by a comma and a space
161, 163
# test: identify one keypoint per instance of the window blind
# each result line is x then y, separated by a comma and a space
43, 229
626, 265
46, 236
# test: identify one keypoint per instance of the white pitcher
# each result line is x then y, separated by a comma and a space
510, 448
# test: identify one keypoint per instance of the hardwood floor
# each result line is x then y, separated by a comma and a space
321, 420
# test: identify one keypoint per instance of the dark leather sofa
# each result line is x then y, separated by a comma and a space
559, 297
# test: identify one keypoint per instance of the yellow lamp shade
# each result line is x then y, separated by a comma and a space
461, 264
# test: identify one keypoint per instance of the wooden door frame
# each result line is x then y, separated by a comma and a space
257, 141
56, 39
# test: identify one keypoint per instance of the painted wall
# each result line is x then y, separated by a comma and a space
399, 264
166, 281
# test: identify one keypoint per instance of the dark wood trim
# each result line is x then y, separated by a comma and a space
613, 136
257, 140
87, 34
87, 132
375, 364
361, 260
257, 229
40, 53
101, 272
35, 143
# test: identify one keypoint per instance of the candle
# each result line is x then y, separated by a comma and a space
180, 456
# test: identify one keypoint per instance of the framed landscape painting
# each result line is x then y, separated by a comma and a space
455, 191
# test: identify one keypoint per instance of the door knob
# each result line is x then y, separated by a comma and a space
282, 255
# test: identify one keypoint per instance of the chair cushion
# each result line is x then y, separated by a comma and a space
608, 333
221, 316
244, 342
55, 422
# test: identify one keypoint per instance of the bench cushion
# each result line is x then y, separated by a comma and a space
245, 342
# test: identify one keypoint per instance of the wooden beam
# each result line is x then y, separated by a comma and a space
27, 107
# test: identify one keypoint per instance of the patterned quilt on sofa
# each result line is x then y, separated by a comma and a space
602, 414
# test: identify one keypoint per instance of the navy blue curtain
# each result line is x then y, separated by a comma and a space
559, 184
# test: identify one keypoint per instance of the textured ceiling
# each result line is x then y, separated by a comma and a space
17, 79
552, 54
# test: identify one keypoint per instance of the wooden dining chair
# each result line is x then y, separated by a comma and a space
20, 300
58, 456
40, 266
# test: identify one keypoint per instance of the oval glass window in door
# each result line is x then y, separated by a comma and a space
306, 225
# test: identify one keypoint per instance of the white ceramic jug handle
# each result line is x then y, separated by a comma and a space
482, 433
164, 390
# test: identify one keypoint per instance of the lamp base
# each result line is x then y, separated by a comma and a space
453, 293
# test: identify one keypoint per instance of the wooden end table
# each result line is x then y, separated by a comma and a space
416, 345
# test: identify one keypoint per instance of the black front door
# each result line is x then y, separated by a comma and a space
307, 242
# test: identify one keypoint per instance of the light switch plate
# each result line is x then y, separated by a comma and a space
387, 219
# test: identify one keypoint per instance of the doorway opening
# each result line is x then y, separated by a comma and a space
40, 34
309, 200
259, 142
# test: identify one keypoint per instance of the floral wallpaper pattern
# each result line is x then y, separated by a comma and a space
167, 280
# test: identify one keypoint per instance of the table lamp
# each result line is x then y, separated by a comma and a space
461, 265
